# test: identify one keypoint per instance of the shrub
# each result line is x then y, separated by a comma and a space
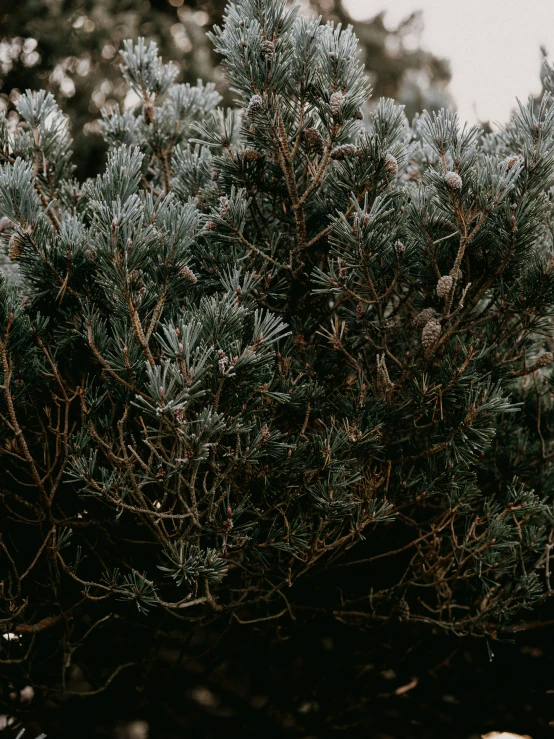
265, 337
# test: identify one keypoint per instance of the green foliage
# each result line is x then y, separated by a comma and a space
264, 337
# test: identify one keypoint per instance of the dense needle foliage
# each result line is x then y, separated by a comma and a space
263, 338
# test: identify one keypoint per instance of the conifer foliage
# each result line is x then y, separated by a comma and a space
262, 338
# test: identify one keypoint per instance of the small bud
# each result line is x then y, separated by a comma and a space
188, 274
358, 115
391, 165
223, 362
148, 113
255, 104
224, 207
444, 286
210, 226
453, 180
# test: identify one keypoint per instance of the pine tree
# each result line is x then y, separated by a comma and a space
263, 337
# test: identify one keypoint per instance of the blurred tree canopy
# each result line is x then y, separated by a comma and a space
70, 47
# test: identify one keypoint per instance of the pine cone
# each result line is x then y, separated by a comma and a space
430, 334
313, 140
267, 50
401, 610
224, 207
341, 152
188, 274
14, 248
545, 359
255, 104
250, 155
335, 102
426, 315
391, 165
210, 226
360, 310
444, 286
453, 180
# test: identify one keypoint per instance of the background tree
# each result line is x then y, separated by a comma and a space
70, 48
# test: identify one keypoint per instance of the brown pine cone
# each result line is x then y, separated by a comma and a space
14, 248
313, 140
267, 50
425, 315
250, 155
444, 286
453, 180
401, 610
430, 334
341, 152
335, 102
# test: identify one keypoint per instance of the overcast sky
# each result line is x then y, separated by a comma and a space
493, 46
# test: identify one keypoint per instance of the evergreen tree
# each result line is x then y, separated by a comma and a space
263, 337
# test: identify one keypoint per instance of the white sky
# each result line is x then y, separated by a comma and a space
493, 46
